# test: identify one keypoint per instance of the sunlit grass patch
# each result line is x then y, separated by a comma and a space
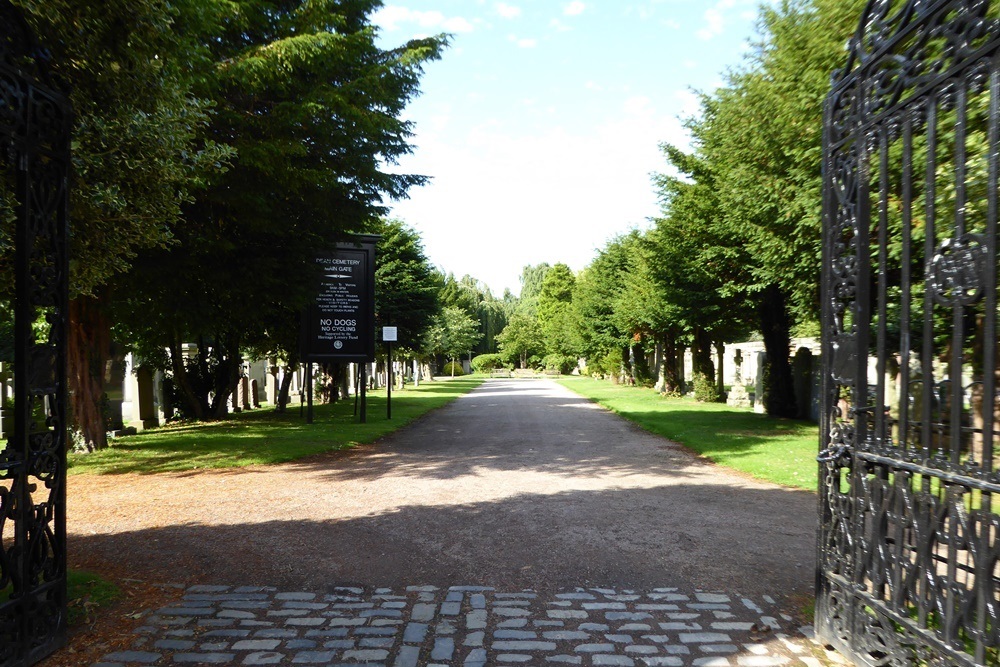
263, 436
777, 450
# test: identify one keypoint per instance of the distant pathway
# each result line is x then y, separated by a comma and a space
520, 485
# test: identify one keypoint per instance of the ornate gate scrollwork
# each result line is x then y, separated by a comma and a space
909, 540
35, 126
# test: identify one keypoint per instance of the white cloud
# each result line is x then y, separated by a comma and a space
690, 103
559, 25
719, 15
394, 17
639, 105
571, 190
574, 8
523, 42
457, 24
716, 24
508, 11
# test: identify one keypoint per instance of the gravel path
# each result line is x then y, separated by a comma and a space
520, 484
521, 524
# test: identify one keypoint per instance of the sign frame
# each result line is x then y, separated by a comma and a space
340, 297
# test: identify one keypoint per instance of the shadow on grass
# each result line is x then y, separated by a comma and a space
265, 436
778, 450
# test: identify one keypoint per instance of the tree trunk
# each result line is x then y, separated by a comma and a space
669, 380
338, 382
779, 388
637, 359
720, 352
658, 364
88, 349
227, 375
285, 387
183, 383
681, 378
702, 354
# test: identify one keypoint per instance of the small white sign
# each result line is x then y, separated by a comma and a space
389, 334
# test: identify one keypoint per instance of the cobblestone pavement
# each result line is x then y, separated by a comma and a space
470, 626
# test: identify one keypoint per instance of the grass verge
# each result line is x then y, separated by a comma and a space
86, 593
264, 436
777, 450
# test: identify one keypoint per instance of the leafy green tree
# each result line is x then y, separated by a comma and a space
757, 161
406, 292
476, 299
453, 334
555, 311
312, 106
596, 295
521, 338
139, 153
531, 287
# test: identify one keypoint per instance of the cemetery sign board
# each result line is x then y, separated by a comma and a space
340, 324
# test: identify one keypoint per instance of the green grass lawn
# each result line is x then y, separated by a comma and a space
87, 593
777, 450
264, 436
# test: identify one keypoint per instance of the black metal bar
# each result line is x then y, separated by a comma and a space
309, 392
881, 427
927, 354
357, 387
23, 341
388, 388
364, 393
906, 560
905, 284
947, 477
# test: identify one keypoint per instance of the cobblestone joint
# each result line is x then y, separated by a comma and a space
470, 626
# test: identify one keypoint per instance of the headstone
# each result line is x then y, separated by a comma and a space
245, 401
738, 396
758, 398
254, 394
145, 398
802, 368
272, 383
114, 384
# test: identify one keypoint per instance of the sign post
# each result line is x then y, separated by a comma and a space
340, 324
389, 337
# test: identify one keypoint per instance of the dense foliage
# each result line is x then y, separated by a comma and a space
736, 249
218, 146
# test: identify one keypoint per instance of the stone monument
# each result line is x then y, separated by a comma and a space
738, 396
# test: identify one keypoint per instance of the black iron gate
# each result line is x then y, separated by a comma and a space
909, 544
34, 148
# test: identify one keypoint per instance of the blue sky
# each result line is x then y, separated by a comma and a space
541, 125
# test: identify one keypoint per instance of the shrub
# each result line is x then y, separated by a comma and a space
485, 363
453, 368
705, 390
611, 366
559, 362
